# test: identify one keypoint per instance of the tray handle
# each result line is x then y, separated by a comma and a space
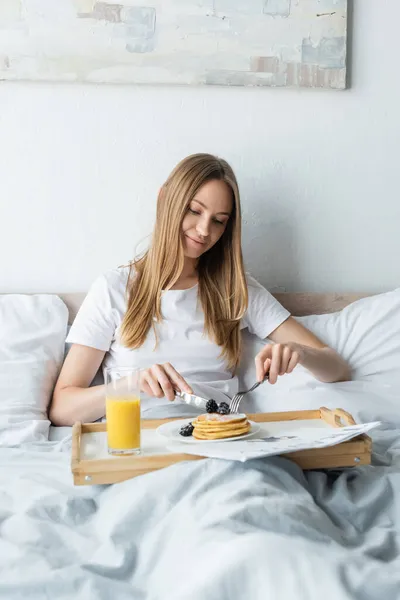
76, 438
337, 417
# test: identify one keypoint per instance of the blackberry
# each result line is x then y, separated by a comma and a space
211, 406
186, 430
223, 409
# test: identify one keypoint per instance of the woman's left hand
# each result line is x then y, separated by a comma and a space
278, 359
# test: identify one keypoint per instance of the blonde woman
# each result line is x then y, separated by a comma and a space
177, 312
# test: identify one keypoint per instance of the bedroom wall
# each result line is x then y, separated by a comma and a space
80, 167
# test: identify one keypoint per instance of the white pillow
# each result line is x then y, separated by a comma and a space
32, 336
365, 400
366, 333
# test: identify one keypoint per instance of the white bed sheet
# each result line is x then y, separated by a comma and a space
205, 530
58, 434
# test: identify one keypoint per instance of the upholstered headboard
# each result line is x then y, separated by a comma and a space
298, 303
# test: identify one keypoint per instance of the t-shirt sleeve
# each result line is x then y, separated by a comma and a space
94, 325
264, 313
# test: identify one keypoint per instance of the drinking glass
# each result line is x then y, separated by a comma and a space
123, 410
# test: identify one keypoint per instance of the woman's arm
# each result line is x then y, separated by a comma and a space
294, 344
73, 399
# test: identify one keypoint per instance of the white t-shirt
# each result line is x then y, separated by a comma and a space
181, 339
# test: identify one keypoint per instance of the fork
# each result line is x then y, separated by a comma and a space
237, 398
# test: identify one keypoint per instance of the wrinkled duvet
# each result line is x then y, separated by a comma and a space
202, 530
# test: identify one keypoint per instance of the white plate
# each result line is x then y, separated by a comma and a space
171, 432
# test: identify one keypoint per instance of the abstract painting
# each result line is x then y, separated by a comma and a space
266, 43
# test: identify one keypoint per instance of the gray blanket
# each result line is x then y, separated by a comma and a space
203, 530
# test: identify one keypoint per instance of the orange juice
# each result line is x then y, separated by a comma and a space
123, 424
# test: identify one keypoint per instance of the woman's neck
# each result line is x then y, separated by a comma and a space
188, 277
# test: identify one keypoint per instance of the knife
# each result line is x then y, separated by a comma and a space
191, 399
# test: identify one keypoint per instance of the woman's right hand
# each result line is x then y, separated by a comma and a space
163, 380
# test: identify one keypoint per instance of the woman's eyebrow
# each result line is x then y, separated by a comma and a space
204, 206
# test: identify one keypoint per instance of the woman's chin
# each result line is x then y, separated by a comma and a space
192, 250
190, 253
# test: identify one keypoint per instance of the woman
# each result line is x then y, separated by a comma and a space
177, 312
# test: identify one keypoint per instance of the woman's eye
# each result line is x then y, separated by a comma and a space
194, 212
219, 222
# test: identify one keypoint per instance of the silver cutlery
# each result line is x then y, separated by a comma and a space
191, 399
200, 402
237, 398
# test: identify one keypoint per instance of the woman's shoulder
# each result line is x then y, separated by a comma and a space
118, 276
264, 313
112, 282
259, 294
252, 284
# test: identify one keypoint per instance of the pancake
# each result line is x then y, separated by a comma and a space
224, 427
213, 426
215, 418
219, 435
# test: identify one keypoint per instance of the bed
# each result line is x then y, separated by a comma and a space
212, 529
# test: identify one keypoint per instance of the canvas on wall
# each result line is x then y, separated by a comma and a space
286, 43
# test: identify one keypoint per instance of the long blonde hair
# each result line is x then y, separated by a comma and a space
222, 281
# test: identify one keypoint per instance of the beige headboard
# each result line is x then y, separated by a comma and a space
298, 303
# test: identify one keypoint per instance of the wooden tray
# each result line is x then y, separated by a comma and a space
90, 463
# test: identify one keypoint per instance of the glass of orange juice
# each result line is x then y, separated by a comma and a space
123, 410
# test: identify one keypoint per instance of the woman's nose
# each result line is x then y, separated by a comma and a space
203, 227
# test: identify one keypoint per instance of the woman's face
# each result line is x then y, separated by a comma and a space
206, 218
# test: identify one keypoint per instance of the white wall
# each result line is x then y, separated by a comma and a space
80, 167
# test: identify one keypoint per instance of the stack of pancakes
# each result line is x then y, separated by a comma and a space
213, 426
